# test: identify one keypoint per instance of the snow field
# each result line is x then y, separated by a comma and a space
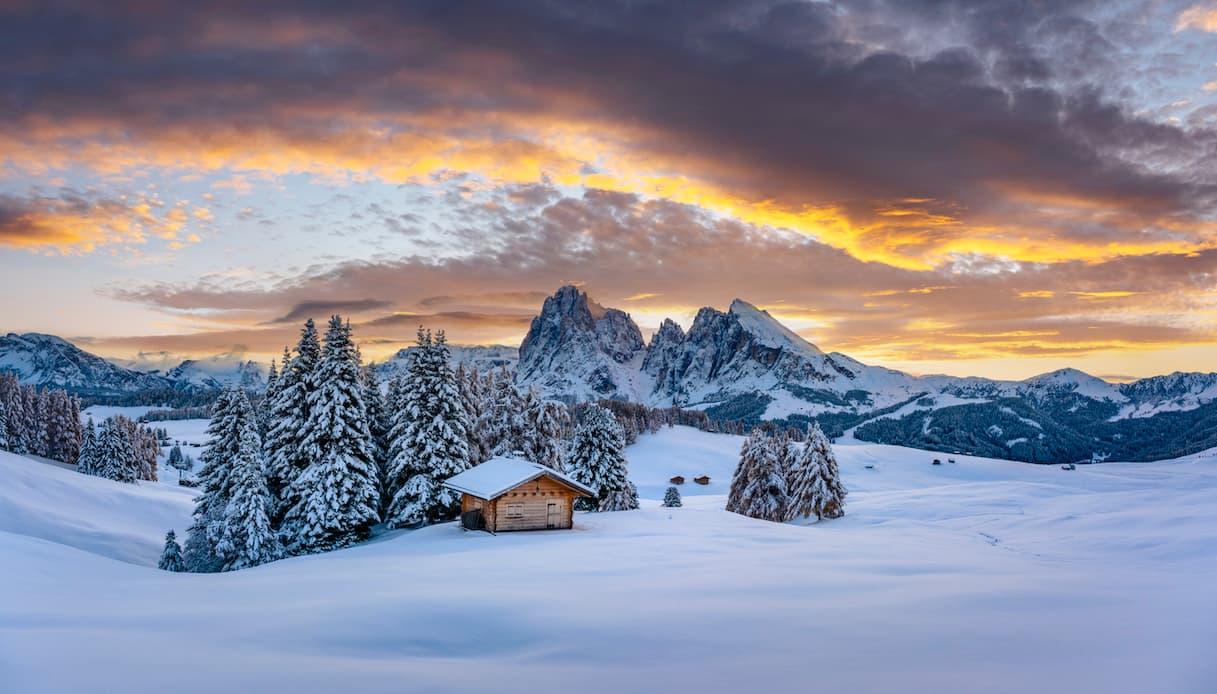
980, 576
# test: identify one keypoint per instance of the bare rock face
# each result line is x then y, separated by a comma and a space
578, 350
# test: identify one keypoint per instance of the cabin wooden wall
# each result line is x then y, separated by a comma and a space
534, 497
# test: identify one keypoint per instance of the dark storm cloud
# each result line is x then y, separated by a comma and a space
846, 103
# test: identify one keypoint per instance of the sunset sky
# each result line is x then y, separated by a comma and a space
977, 188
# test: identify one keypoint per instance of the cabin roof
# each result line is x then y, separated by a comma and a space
497, 476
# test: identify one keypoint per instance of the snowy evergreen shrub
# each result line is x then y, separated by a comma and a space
671, 498
337, 494
597, 456
171, 556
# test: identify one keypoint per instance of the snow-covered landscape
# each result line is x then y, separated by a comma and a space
608, 346
979, 575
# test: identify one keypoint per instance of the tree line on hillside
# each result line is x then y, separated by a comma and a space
329, 453
42, 422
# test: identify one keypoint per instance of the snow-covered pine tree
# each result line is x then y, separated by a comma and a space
765, 495
116, 457
430, 438
815, 483
378, 418
288, 414
230, 415
180, 462
671, 498
502, 428
469, 386
337, 494
18, 437
36, 415
171, 556
247, 538
87, 461
623, 499
3, 425
543, 426
597, 457
754, 447
785, 454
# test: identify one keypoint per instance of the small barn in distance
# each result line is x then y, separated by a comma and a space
513, 494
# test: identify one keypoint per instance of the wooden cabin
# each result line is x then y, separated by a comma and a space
505, 494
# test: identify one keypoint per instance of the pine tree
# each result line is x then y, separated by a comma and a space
378, 417
541, 440
430, 438
623, 499
671, 498
247, 538
3, 425
473, 401
597, 457
87, 461
289, 413
754, 447
18, 437
765, 494
502, 426
815, 481
178, 461
171, 557
231, 415
337, 494
116, 459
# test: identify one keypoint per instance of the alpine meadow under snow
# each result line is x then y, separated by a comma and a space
979, 575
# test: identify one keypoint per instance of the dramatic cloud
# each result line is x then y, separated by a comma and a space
659, 259
923, 179
817, 117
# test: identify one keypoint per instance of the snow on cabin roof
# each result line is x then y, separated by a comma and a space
499, 475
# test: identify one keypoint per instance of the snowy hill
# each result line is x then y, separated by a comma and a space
984, 574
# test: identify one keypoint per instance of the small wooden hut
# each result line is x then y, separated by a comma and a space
512, 494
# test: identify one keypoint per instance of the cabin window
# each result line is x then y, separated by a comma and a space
515, 510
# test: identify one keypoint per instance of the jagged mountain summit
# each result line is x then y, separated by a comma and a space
743, 364
578, 350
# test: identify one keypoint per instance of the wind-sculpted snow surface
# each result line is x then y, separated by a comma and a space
980, 575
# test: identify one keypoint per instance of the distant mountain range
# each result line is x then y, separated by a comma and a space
744, 365
46, 360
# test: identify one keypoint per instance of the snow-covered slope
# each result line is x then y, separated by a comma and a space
980, 575
53, 502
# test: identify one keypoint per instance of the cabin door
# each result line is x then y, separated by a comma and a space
553, 514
